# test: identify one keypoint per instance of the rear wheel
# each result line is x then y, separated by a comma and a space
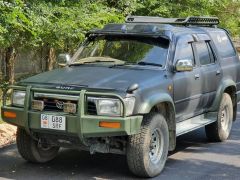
220, 130
32, 151
147, 151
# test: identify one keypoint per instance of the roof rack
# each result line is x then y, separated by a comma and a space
191, 20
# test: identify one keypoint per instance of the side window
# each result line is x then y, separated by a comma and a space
184, 51
203, 54
211, 54
223, 44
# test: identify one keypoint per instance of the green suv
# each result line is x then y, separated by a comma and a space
131, 89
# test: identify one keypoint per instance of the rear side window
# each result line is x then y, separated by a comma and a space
223, 44
203, 53
211, 54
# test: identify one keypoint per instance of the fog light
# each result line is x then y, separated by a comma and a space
37, 105
69, 108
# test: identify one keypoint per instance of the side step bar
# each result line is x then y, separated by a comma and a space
195, 123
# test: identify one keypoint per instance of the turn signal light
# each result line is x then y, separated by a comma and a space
109, 124
8, 114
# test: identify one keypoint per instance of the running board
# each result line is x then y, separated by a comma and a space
195, 123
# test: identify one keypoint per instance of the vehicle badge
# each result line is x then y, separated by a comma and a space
59, 104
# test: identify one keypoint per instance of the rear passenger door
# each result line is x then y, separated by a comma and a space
210, 70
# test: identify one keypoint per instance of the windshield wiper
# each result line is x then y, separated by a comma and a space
97, 61
90, 62
150, 64
122, 64
75, 64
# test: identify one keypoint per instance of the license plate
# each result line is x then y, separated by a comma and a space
53, 122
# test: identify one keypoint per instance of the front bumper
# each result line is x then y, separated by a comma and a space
80, 124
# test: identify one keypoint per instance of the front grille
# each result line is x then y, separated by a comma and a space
53, 103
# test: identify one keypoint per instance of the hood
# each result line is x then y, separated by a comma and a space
118, 78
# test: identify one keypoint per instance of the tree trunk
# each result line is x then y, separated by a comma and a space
2, 73
51, 59
41, 59
3, 67
10, 58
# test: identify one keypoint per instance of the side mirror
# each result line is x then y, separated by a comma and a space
63, 59
184, 65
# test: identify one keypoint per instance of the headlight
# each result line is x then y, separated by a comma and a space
112, 107
107, 106
18, 98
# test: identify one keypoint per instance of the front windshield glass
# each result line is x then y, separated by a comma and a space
123, 50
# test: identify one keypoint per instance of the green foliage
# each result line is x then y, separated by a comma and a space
125, 7
227, 10
3, 85
16, 27
62, 24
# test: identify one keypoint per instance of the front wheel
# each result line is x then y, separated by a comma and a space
147, 151
220, 130
32, 151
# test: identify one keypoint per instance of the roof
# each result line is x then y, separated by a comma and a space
156, 26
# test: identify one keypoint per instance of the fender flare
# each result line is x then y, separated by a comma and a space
156, 99
153, 100
222, 87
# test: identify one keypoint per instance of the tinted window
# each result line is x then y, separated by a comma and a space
223, 44
203, 53
184, 51
211, 54
119, 49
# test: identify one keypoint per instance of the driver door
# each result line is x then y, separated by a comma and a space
187, 84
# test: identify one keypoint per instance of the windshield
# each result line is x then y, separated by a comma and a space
123, 50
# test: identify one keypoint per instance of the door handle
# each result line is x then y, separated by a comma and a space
197, 76
218, 72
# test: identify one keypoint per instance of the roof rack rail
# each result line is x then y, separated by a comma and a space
191, 20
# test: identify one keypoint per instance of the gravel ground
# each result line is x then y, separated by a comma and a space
7, 134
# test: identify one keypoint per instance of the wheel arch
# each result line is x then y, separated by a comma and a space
227, 86
167, 110
231, 90
163, 103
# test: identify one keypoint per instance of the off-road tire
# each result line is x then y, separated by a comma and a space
138, 147
28, 148
218, 131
